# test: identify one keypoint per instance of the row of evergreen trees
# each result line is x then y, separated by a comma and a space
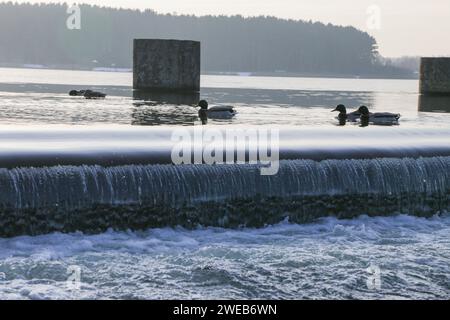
37, 34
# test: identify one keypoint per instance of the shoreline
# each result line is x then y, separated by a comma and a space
283, 74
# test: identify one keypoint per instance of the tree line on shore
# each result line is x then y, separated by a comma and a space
37, 34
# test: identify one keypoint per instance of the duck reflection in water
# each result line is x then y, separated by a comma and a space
364, 122
342, 121
203, 116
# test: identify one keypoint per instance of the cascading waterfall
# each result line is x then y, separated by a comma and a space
93, 198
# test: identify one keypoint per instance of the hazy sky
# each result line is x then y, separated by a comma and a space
401, 27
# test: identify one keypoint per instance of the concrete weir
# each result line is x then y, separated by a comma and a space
38, 147
93, 199
167, 65
67, 179
435, 76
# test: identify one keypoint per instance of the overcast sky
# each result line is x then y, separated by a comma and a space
402, 27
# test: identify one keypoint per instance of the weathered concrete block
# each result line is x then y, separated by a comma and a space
435, 76
172, 65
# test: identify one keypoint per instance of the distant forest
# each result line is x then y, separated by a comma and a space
37, 34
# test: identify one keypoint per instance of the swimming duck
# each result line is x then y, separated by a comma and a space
75, 93
219, 112
343, 115
89, 94
378, 117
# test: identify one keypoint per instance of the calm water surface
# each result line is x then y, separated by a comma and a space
40, 97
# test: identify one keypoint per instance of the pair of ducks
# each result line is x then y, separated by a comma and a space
88, 94
365, 116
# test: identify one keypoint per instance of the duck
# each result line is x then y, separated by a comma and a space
343, 115
75, 93
378, 117
218, 112
88, 94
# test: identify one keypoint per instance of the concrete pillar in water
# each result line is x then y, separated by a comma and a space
172, 65
435, 76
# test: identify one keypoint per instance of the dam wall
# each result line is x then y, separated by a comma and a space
93, 198
29, 147
67, 179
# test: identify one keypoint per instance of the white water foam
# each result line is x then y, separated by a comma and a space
326, 259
